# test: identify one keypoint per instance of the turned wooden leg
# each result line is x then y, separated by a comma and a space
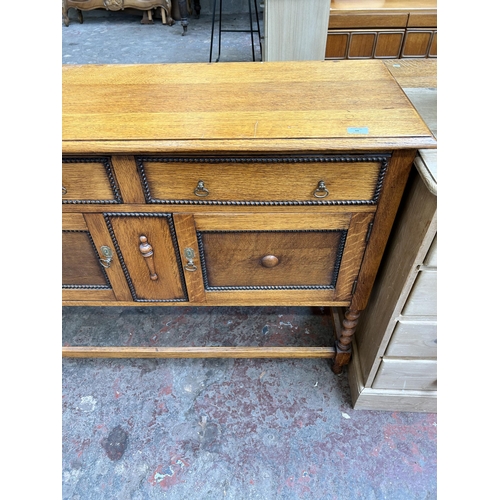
343, 343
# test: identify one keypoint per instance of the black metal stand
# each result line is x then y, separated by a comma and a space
251, 30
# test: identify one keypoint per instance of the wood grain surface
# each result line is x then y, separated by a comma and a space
346, 102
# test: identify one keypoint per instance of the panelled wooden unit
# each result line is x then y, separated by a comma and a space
268, 184
372, 29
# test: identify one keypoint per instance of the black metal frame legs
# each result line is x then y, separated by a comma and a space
251, 30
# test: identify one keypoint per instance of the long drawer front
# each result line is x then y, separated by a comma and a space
297, 180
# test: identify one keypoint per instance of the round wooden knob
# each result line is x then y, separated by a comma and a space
269, 261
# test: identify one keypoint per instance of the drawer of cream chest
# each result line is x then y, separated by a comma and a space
422, 300
405, 374
304, 180
414, 339
89, 180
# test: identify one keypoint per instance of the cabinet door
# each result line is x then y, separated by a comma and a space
280, 258
419, 43
147, 248
90, 267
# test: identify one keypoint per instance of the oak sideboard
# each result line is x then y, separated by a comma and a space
232, 184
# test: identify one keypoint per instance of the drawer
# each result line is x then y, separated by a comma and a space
281, 255
422, 300
416, 339
378, 20
89, 180
318, 180
401, 374
422, 20
266, 259
431, 257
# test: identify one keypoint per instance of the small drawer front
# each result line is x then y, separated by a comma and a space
403, 374
89, 180
333, 180
422, 300
431, 257
422, 20
378, 20
415, 339
247, 260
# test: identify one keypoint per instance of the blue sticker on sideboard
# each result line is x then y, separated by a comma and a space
357, 130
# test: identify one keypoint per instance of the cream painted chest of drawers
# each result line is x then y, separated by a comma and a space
232, 184
394, 366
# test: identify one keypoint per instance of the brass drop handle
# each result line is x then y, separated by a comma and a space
321, 191
201, 190
269, 261
64, 190
190, 255
147, 252
108, 257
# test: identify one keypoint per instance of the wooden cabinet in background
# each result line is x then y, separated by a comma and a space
382, 30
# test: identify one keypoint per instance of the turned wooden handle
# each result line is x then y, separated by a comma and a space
147, 252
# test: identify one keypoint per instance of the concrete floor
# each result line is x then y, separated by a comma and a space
119, 37
202, 429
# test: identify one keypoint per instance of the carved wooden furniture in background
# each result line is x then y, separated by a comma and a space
367, 29
394, 366
115, 5
282, 193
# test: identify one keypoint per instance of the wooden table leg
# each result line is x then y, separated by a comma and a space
343, 343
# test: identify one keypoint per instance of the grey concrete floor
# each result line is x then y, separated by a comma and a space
202, 429
120, 38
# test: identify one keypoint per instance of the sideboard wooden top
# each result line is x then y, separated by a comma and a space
286, 106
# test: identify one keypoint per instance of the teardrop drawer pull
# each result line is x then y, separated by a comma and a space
321, 191
201, 190
269, 261
147, 252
